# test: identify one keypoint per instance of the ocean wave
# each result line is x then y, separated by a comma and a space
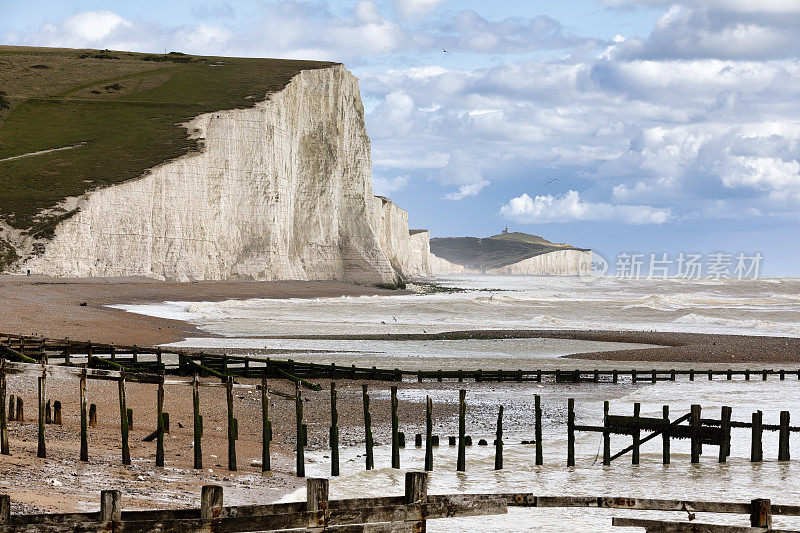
765, 326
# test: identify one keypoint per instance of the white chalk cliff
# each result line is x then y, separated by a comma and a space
282, 190
556, 263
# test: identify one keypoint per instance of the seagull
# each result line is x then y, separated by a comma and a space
444, 51
551, 181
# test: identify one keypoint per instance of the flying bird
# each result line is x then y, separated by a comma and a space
551, 181
444, 51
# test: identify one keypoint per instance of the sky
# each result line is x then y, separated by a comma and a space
625, 126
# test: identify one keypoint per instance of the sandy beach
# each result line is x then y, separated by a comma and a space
53, 308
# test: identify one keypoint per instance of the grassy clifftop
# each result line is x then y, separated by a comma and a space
111, 115
495, 251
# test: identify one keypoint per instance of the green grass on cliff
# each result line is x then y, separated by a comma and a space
493, 252
122, 111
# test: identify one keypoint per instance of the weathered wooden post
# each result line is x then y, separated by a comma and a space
130, 417
695, 422
538, 429
211, 503
665, 435
428, 434
298, 406
498, 441
725, 426
761, 513
764, 375
123, 421
11, 408
710, 375
416, 488
461, 462
57, 413
370, 461
4, 448
395, 430
266, 427
231, 426
92, 416
783, 437
198, 424
691, 374
334, 433
317, 492
40, 450
756, 451
606, 435
48, 413
165, 419
20, 414
637, 433
571, 432
110, 506
5, 502
84, 421
160, 422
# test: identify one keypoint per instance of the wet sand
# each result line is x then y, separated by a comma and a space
53, 307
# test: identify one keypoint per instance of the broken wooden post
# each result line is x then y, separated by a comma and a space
783, 437
110, 506
538, 429
129, 411
211, 503
231, 427
317, 492
756, 452
266, 427
691, 374
725, 426
20, 414
93, 416
40, 450
300, 453
571, 432
606, 435
123, 421
695, 423
84, 421
198, 425
160, 422
395, 429
165, 420
637, 433
498, 442
48, 413
665, 444
57, 413
4, 448
761, 513
428, 434
11, 407
418, 440
370, 461
334, 433
461, 462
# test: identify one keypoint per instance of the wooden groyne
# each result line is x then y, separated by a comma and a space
156, 360
408, 512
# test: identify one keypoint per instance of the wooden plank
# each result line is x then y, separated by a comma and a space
677, 527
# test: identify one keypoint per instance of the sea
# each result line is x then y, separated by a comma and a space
766, 306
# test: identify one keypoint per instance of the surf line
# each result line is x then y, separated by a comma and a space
70, 147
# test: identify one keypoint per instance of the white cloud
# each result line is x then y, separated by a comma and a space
417, 8
385, 186
464, 191
569, 207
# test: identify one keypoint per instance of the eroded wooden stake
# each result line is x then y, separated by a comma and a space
428, 434
4, 449
123, 421
231, 426
370, 460
160, 422
84, 420
300, 453
266, 427
498, 442
198, 424
395, 430
461, 462
334, 433
538, 429
40, 450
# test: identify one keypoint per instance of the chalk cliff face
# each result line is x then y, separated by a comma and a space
282, 190
556, 263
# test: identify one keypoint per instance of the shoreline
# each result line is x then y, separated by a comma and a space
77, 308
